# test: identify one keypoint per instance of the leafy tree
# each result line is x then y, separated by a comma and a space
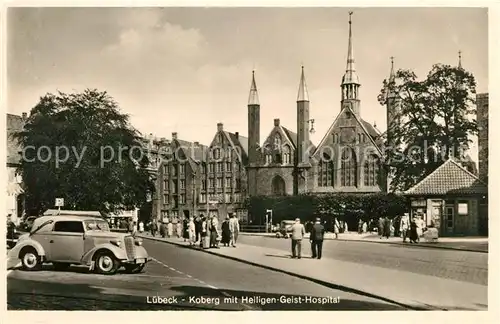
434, 120
81, 148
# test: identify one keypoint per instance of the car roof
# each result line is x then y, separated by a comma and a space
65, 217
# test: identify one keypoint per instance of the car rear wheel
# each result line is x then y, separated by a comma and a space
30, 260
59, 266
106, 263
134, 268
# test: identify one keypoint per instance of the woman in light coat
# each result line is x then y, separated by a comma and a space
191, 231
336, 227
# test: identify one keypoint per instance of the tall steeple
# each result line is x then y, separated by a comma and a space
350, 81
303, 95
459, 59
302, 124
392, 77
253, 124
253, 98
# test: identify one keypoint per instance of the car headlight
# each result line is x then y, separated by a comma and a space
116, 242
138, 242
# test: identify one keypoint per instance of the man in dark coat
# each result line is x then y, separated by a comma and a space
316, 238
387, 227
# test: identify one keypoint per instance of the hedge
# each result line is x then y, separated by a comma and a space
347, 207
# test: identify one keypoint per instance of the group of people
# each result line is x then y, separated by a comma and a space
412, 229
316, 237
201, 230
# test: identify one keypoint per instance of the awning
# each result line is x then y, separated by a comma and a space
14, 189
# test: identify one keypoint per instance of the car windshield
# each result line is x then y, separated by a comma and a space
96, 225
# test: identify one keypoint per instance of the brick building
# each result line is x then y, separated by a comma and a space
482, 121
348, 158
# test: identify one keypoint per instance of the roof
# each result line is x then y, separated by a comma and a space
372, 131
195, 152
449, 178
15, 124
72, 213
293, 138
241, 142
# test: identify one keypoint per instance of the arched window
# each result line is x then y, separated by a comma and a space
286, 155
371, 170
348, 168
278, 185
326, 171
269, 158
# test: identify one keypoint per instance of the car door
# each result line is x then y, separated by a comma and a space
66, 241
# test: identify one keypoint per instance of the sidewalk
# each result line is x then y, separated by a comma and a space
409, 289
473, 244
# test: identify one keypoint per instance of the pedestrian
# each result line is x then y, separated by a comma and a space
413, 231
170, 229
298, 232
316, 238
141, 227
185, 229
360, 226
191, 231
226, 233
234, 228
346, 228
163, 229
336, 227
365, 227
381, 227
133, 227
404, 226
214, 223
387, 227
197, 225
178, 228
154, 228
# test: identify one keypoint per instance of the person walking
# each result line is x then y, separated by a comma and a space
141, 227
154, 228
226, 232
336, 227
205, 237
413, 231
404, 226
380, 227
178, 228
316, 238
185, 229
234, 228
170, 229
197, 225
298, 232
387, 227
191, 231
214, 223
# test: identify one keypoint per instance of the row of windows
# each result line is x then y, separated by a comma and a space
220, 167
348, 171
172, 170
283, 158
181, 199
213, 183
362, 138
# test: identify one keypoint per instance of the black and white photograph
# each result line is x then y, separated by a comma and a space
225, 158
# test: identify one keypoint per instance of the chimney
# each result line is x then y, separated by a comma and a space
220, 127
174, 135
25, 116
237, 135
276, 122
196, 143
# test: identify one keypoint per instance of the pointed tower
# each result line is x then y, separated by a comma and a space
350, 81
302, 122
460, 59
253, 123
392, 111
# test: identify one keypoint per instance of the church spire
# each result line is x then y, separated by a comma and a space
253, 98
302, 95
459, 59
392, 78
392, 75
350, 76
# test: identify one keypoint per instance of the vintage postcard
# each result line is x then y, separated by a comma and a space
247, 158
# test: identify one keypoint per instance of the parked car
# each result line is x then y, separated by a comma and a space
285, 229
27, 223
64, 240
12, 235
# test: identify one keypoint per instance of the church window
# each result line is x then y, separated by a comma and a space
269, 158
277, 141
277, 158
286, 155
371, 170
348, 168
326, 171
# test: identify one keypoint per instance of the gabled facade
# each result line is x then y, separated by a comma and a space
223, 175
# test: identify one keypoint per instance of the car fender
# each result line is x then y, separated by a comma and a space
118, 252
18, 248
141, 253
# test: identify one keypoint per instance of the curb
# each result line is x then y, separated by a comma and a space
318, 281
385, 242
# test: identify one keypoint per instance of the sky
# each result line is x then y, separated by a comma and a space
186, 69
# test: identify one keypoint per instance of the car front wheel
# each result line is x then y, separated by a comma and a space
30, 260
134, 268
106, 263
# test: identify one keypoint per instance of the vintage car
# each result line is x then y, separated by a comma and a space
64, 240
285, 229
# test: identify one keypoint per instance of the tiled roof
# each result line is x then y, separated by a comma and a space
240, 141
449, 178
14, 124
372, 131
